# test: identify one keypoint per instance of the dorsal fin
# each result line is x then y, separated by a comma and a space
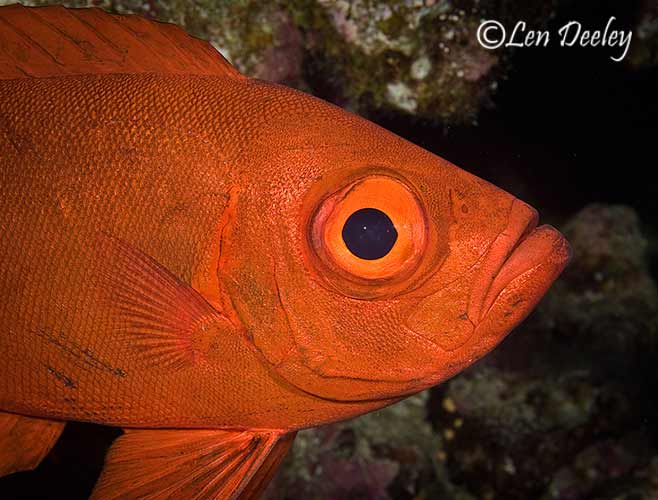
37, 42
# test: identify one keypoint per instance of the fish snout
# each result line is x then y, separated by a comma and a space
523, 256
470, 316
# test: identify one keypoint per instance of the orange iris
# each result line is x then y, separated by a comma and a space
396, 200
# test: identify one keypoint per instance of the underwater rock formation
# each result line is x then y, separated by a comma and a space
418, 57
644, 51
383, 455
607, 297
547, 436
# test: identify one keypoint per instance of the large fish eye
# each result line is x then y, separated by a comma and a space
369, 234
373, 228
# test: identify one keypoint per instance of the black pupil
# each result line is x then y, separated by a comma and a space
369, 233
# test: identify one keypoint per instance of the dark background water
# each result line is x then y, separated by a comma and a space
569, 127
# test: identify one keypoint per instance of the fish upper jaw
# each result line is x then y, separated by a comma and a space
517, 251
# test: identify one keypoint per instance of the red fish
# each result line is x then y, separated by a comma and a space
213, 262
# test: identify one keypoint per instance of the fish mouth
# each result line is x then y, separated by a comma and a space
519, 249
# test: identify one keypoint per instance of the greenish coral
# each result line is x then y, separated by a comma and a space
415, 56
607, 297
418, 57
644, 50
367, 457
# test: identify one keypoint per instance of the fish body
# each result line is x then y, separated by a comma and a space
177, 255
141, 191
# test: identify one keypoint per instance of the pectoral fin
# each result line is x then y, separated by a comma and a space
199, 464
25, 441
169, 322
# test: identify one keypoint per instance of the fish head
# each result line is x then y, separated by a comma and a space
365, 267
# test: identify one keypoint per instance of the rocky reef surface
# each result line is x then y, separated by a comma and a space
412, 56
380, 455
418, 57
645, 53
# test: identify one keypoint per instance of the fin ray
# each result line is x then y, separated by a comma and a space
54, 41
25, 441
163, 317
202, 464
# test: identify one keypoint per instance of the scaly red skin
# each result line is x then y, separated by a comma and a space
217, 180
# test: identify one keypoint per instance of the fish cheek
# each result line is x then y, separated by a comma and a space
442, 318
348, 349
258, 305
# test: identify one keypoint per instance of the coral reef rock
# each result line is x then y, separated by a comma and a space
644, 50
417, 57
383, 455
606, 296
